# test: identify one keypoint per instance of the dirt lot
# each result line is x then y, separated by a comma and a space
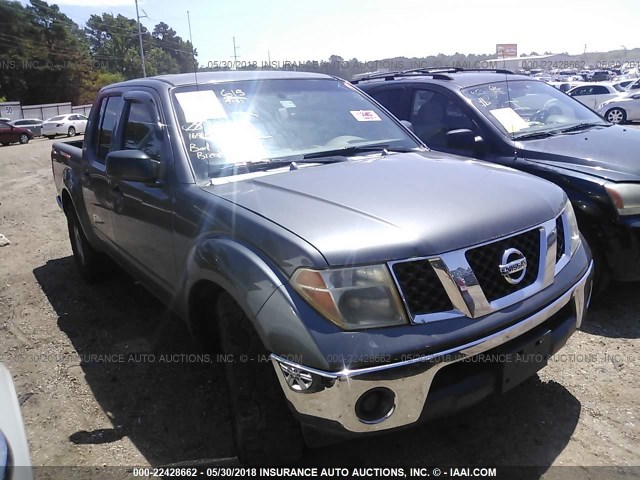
583, 409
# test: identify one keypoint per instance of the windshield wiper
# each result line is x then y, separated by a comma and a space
582, 126
230, 169
354, 150
543, 134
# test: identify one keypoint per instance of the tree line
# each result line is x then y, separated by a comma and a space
45, 57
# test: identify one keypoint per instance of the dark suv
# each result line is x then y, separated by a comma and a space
526, 124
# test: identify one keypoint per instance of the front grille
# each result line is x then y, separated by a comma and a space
485, 262
560, 238
421, 288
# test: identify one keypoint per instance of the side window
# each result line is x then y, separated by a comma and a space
600, 90
141, 132
434, 114
110, 112
578, 92
393, 99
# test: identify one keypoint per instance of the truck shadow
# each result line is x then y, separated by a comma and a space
142, 366
616, 312
177, 412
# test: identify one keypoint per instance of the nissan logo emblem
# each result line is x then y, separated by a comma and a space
513, 266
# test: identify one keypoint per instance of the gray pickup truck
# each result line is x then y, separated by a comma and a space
354, 280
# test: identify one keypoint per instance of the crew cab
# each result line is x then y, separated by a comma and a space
514, 121
285, 216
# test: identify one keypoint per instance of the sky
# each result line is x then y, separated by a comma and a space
288, 30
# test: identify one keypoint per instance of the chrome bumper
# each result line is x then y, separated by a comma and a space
333, 395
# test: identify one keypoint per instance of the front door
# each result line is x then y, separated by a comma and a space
143, 212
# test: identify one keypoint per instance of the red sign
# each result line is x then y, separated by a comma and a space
507, 50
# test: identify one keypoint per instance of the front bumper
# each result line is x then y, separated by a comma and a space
330, 399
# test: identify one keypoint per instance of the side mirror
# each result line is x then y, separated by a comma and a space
132, 166
465, 139
407, 124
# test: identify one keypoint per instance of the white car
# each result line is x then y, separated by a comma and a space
70, 125
626, 108
15, 462
593, 94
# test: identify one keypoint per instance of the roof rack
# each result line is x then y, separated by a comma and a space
439, 73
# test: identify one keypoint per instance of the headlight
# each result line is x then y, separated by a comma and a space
625, 197
352, 298
574, 232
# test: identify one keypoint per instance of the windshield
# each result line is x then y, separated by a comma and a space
236, 123
524, 107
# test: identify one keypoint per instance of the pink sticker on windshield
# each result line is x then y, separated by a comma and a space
365, 115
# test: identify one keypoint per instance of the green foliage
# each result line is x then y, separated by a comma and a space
45, 57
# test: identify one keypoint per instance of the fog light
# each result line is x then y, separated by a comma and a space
375, 405
297, 379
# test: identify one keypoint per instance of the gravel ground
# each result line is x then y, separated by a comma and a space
582, 409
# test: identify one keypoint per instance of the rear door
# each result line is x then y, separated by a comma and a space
95, 182
143, 212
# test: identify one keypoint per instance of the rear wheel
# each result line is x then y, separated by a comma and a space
71, 132
264, 429
616, 115
24, 138
92, 265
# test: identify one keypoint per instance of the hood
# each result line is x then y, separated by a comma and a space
377, 208
609, 152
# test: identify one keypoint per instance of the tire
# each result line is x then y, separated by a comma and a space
50, 137
92, 265
616, 115
265, 431
71, 132
24, 139
601, 271
5, 144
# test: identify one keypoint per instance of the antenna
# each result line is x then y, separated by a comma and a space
144, 70
235, 54
193, 54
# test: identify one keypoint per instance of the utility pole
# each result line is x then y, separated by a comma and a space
235, 54
144, 70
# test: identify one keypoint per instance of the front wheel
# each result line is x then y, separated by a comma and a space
264, 429
24, 139
71, 132
616, 115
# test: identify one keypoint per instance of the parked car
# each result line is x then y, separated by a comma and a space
68, 125
593, 94
286, 216
622, 85
634, 85
15, 463
10, 134
524, 124
600, 76
34, 125
564, 86
625, 108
